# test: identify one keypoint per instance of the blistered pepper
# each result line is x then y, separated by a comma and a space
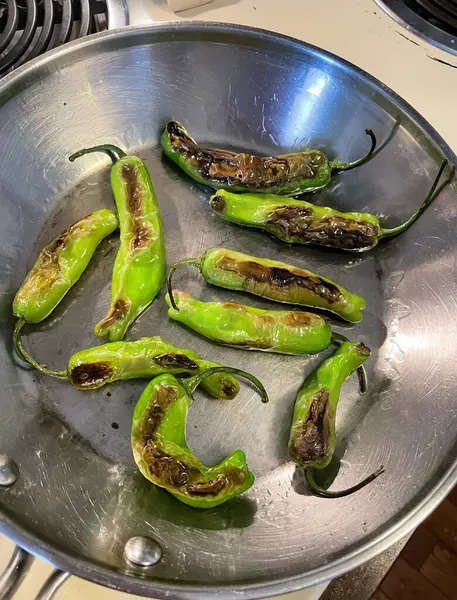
274, 280
140, 267
299, 222
292, 174
312, 436
241, 326
58, 267
161, 452
93, 368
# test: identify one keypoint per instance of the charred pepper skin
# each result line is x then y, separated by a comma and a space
274, 280
145, 358
299, 222
293, 174
60, 264
312, 436
58, 267
140, 267
250, 328
161, 452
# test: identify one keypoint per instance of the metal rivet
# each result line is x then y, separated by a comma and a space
142, 551
8, 471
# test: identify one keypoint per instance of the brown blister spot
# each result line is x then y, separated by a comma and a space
298, 223
218, 204
281, 277
170, 471
311, 439
118, 312
164, 397
212, 487
141, 233
173, 361
298, 319
229, 388
89, 374
362, 349
241, 168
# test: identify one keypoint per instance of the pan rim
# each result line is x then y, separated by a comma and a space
111, 577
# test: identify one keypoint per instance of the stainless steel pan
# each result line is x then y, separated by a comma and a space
78, 498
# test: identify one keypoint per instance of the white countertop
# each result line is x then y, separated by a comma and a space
357, 30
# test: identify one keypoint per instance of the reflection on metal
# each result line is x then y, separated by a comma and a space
12, 576
8, 471
430, 29
143, 551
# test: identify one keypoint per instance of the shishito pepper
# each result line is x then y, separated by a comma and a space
161, 452
274, 280
299, 222
58, 267
233, 324
147, 357
140, 269
293, 173
312, 436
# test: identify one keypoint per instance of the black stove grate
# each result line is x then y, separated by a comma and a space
439, 13
30, 27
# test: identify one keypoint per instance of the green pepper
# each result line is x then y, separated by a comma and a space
140, 268
147, 357
233, 324
299, 222
312, 437
292, 174
58, 267
161, 452
274, 280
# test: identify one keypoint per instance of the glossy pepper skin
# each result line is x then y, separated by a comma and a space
60, 264
161, 452
147, 357
293, 173
140, 267
250, 328
312, 436
275, 280
299, 222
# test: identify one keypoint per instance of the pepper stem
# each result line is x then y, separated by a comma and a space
113, 152
25, 356
309, 474
385, 233
340, 166
361, 373
196, 262
192, 382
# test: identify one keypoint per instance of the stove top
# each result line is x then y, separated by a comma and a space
30, 27
433, 20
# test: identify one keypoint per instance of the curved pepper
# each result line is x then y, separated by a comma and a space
161, 452
274, 280
60, 264
147, 357
313, 437
58, 267
293, 173
299, 222
140, 269
233, 324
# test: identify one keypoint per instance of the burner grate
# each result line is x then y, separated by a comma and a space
439, 13
433, 20
29, 28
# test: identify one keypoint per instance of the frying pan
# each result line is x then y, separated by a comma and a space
78, 498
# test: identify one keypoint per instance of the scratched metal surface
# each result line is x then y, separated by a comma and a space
79, 497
